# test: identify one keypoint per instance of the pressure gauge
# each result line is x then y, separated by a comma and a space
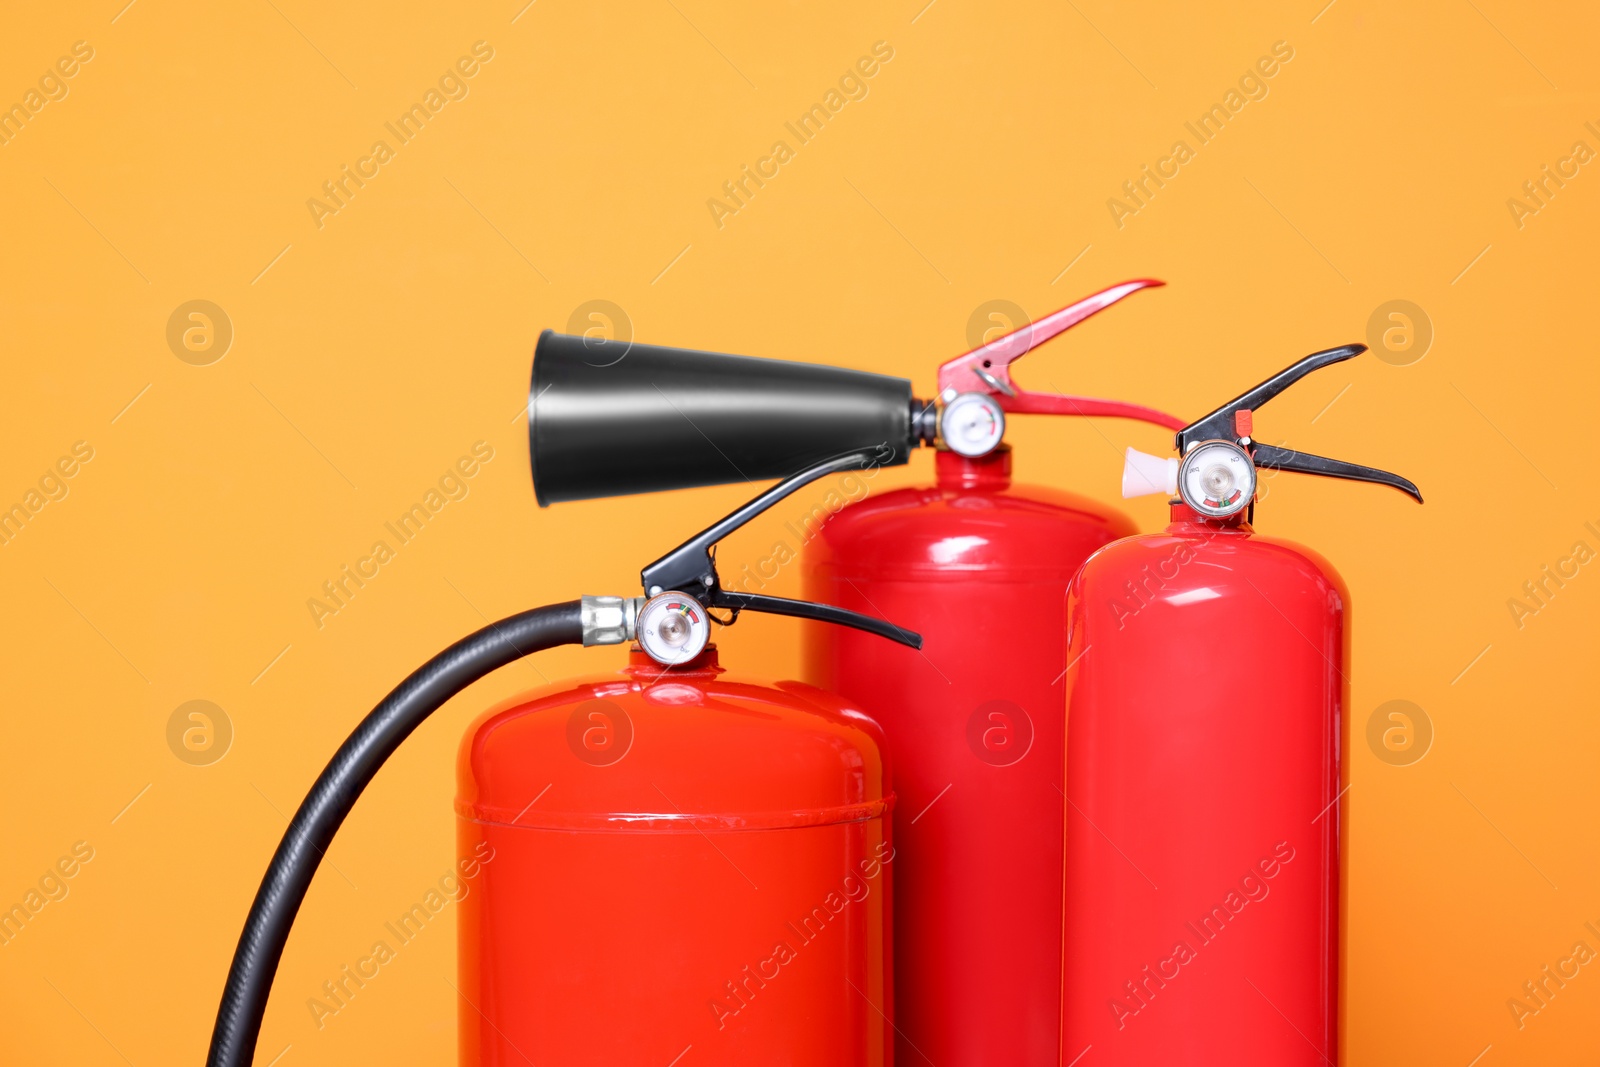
1217, 479
672, 628
972, 425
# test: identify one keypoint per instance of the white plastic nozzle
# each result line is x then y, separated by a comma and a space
1144, 475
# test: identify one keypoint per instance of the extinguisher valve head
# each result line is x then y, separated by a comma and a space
1216, 449
608, 620
1147, 475
693, 565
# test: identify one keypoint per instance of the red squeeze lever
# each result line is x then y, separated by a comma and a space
988, 369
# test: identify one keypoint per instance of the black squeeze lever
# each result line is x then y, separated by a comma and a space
692, 568
1232, 422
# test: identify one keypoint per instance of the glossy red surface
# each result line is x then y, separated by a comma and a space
672, 860
973, 725
1205, 724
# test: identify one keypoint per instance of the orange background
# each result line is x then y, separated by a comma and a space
371, 352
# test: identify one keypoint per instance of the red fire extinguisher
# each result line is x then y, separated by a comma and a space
668, 864
973, 720
683, 860
1207, 717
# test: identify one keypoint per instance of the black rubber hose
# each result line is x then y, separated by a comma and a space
255, 961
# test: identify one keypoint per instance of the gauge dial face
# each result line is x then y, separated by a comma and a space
673, 628
972, 425
1217, 479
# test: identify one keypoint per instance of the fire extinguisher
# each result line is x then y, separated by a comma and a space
668, 858
1207, 720
973, 720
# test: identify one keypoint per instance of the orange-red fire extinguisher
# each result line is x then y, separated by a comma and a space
1207, 719
668, 864
972, 720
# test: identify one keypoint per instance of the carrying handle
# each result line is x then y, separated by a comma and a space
692, 566
1284, 459
805, 609
987, 369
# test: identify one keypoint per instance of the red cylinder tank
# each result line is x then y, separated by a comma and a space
1205, 722
973, 725
670, 865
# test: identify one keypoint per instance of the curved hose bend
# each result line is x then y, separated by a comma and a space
255, 961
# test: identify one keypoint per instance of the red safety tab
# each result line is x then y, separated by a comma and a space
1244, 423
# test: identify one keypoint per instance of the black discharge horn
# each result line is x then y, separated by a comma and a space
612, 418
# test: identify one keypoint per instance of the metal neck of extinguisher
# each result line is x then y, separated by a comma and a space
977, 391
1215, 475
